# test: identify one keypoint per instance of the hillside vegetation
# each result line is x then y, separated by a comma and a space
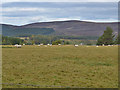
67, 28
15, 31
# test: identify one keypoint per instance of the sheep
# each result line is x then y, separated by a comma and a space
41, 44
59, 44
48, 44
18, 46
76, 45
97, 46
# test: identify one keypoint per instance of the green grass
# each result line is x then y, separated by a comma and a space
7, 47
66, 66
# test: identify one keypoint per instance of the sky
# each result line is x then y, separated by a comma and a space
21, 12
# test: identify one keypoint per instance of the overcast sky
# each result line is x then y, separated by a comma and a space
5, 1
17, 12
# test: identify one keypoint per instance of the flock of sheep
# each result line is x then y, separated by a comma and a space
19, 46
76, 45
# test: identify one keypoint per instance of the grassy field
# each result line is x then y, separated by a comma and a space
60, 66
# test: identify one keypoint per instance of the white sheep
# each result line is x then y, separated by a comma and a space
76, 45
41, 44
18, 46
59, 44
97, 46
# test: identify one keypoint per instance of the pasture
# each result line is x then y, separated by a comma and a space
60, 66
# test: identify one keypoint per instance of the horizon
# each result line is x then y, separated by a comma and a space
61, 21
22, 13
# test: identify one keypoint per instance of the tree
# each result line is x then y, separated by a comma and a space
117, 40
11, 40
106, 38
56, 42
67, 42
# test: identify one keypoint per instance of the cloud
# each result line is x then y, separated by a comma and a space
27, 20
102, 20
26, 12
59, 4
22, 9
98, 12
42, 9
48, 19
6, 1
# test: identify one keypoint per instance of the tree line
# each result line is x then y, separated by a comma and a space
11, 40
108, 38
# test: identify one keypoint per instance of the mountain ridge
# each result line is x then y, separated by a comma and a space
59, 21
71, 27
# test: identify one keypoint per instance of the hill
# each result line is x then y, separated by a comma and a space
10, 30
72, 27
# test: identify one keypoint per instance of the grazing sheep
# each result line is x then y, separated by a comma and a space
48, 44
41, 44
15, 44
18, 46
76, 45
97, 46
59, 44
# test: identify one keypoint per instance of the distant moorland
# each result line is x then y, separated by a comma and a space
68, 28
